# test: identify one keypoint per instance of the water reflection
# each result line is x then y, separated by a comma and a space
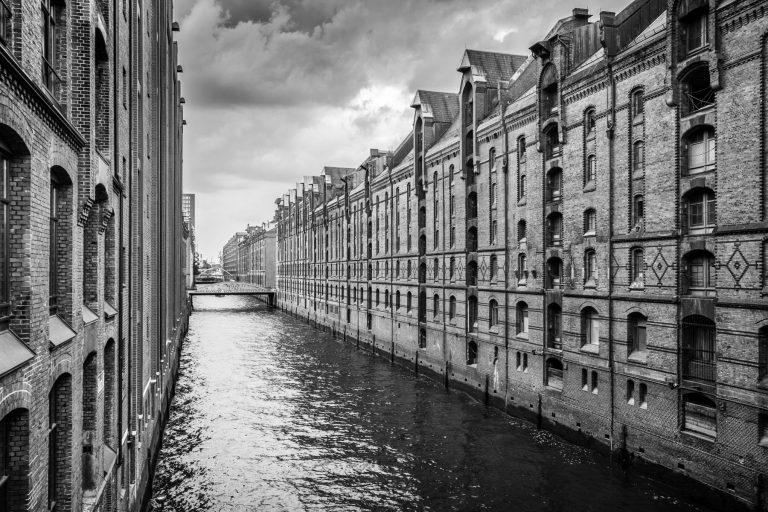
272, 415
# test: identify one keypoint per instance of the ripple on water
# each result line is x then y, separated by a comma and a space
270, 414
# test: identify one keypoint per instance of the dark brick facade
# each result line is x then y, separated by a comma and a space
577, 235
95, 328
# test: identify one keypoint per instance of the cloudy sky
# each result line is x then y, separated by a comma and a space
277, 89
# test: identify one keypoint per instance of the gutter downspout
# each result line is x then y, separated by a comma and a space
507, 266
611, 168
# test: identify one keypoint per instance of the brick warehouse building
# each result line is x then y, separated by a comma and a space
250, 256
579, 234
91, 288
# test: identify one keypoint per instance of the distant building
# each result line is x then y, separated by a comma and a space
230, 256
584, 227
251, 256
188, 215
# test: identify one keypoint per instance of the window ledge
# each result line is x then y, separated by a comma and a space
590, 186
638, 357
637, 287
522, 201
698, 435
494, 330
590, 285
591, 348
522, 335
589, 234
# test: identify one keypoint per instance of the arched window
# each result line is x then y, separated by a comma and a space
636, 105
693, 19
521, 232
700, 205
590, 222
638, 157
493, 269
409, 301
554, 327
386, 298
637, 268
630, 392
452, 307
472, 314
696, 92
397, 299
451, 175
436, 305
590, 328
589, 122
700, 415
377, 297
643, 396
493, 313
492, 159
102, 95
554, 373
699, 150
584, 379
590, 176
699, 273
522, 187
522, 319
436, 268
60, 442
452, 268
521, 148
554, 184
636, 334
551, 139
555, 229
554, 273
471, 353
699, 334
590, 267
14, 460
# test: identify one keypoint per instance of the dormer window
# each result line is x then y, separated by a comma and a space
694, 26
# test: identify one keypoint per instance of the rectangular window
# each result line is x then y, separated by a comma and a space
53, 271
762, 425
5, 308
5, 22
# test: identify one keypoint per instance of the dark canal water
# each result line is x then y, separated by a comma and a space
272, 415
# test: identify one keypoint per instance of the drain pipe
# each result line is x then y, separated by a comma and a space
611, 169
507, 266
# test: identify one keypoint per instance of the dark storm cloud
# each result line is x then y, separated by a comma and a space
277, 89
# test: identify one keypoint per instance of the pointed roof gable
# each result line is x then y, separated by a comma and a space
442, 106
490, 66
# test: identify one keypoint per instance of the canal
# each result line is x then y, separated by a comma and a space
271, 414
